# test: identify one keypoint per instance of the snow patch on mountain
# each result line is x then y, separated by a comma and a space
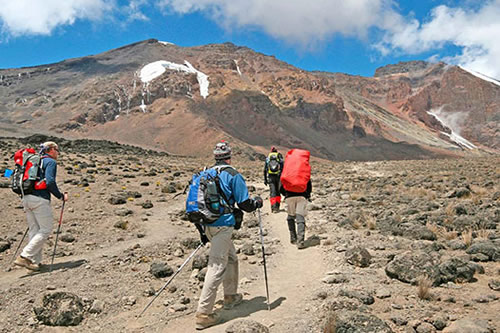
157, 68
165, 43
453, 121
481, 76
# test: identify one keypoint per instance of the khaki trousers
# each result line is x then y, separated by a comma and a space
40, 221
296, 206
222, 267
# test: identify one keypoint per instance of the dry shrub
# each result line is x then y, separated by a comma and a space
331, 324
422, 193
356, 195
356, 224
435, 229
467, 237
418, 192
449, 235
450, 209
482, 234
479, 191
441, 232
371, 222
424, 287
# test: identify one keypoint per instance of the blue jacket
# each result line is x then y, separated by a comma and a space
235, 189
48, 172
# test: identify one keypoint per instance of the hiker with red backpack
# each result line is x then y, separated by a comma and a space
36, 201
272, 174
222, 259
296, 187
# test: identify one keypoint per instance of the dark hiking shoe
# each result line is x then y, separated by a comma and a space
293, 239
204, 320
230, 301
26, 263
301, 245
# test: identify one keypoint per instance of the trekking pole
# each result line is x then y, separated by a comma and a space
57, 237
18, 247
263, 258
170, 280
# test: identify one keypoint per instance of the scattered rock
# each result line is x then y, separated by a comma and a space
352, 321
121, 225
363, 297
161, 269
246, 326
4, 245
467, 325
123, 212
147, 204
67, 237
494, 285
60, 309
97, 306
358, 256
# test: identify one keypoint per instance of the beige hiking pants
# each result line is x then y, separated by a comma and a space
296, 206
222, 267
40, 220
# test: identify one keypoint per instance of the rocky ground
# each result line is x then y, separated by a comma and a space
410, 246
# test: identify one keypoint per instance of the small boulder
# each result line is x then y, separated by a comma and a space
60, 309
358, 256
161, 269
246, 326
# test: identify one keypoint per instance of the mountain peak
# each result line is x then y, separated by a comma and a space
403, 67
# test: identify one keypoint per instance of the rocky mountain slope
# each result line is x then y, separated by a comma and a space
184, 99
392, 246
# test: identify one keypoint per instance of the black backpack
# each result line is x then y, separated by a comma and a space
274, 164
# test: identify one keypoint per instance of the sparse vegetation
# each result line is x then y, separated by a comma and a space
467, 237
424, 285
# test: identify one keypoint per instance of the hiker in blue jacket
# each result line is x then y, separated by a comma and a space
38, 210
223, 262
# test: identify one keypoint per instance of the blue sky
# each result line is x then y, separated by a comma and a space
354, 36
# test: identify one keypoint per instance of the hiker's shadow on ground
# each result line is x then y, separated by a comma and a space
247, 307
59, 266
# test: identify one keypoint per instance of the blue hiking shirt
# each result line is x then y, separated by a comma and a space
48, 172
235, 189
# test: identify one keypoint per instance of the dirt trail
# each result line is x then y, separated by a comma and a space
291, 278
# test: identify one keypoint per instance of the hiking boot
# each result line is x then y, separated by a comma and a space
230, 301
204, 320
293, 239
301, 245
26, 263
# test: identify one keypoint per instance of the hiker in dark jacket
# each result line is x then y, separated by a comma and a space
38, 210
297, 211
272, 174
222, 259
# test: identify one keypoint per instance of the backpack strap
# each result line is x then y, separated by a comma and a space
219, 169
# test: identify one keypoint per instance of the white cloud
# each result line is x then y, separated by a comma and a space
309, 22
34, 17
133, 10
303, 22
475, 32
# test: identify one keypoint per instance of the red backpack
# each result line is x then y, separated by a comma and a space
296, 171
25, 177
